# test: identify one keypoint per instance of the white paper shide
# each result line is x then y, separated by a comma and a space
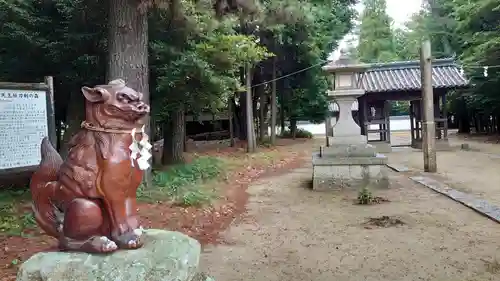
140, 151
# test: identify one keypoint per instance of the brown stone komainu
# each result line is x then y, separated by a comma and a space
88, 201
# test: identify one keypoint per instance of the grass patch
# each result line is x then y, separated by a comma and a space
365, 197
13, 218
183, 184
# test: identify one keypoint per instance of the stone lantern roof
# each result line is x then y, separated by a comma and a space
345, 64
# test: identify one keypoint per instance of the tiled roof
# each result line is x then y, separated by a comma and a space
405, 76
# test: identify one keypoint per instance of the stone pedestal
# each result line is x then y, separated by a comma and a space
382, 146
349, 162
349, 166
166, 255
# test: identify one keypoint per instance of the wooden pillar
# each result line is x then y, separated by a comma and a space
381, 134
387, 122
437, 116
428, 124
382, 125
418, 119
328, 125
49, 81
361, 118
412, 120
365, 114
445, 116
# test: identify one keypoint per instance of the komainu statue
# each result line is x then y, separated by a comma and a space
88, 201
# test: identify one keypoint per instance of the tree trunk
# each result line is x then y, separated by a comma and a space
75, 114
128, 51
185, 137
251, 147
463, 117
497, 123
173, 138
293, 127
242, 116
273, 103
282, 112
230, 118
262, 113
238, 121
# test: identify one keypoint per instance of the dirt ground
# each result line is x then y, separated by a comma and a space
203, 224
475, 171
292, 233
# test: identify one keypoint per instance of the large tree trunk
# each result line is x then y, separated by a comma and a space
128, 51
75, 114
251, 147
173, 138
293, 127
463, 117
242, 116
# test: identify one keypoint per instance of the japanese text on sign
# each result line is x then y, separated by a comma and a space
23, 125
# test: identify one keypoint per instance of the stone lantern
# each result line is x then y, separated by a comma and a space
348, 161
347, 77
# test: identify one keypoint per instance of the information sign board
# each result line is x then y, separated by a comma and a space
23, 125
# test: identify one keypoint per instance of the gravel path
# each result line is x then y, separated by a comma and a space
292, 233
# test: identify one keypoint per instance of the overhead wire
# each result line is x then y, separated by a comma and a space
485, 71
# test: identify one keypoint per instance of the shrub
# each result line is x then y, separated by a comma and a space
300, 134
180, 183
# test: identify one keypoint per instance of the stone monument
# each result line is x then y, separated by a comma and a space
88, 201
349, 161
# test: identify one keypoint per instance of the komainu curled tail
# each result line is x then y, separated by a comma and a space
43, 184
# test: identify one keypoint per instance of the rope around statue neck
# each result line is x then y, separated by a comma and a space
91, 127
142, 147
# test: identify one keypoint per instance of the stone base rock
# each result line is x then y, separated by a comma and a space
165, 256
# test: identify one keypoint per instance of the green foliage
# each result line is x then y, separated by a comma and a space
196, 56
381, 42
365, 196
299, 133
181, 183
306, 44
14, 220
399, 108
469, 30
376, 40
197, 59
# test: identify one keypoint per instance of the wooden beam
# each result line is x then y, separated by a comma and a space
51, 115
